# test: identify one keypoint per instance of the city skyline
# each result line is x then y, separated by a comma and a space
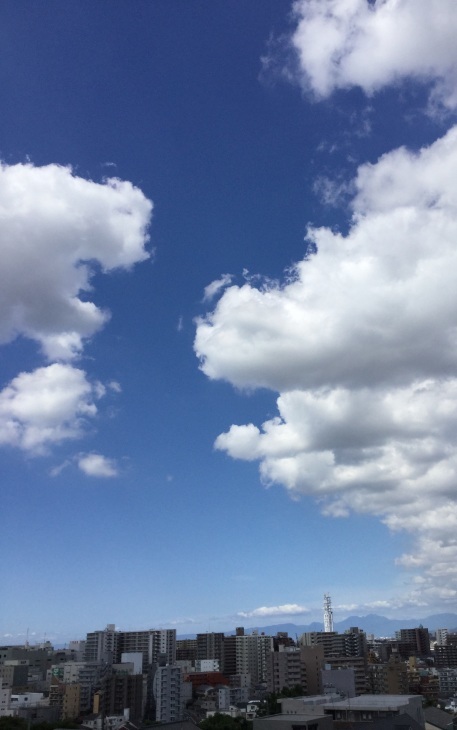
228, 312
371, 624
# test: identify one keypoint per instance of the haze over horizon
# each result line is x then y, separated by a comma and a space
228, 312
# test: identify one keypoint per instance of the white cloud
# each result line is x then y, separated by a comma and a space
361, 344
181, 621
346, 43
55, 229
57, 470
216, 287
331, 192
96, 465
287, 609
357, 313
47, 406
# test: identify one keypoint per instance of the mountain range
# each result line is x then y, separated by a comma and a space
380, 626
371, 624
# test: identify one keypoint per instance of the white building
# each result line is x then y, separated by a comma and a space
68, 671
441, 636
109, 722
28, 699
207, 665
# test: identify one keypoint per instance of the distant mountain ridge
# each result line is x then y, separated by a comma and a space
371, 624
380, 626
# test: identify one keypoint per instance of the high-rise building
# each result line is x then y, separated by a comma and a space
102, 646
120, 692
413, 642
285, 670
168, 694
446, 654
352, 643
186, 650
246, 654
229, 664
251, 656
448, 682
342, 650
211, 646
89, 680
441, 636
66, 697
358, 664
312, 658
389, 678
150, 643
108, 646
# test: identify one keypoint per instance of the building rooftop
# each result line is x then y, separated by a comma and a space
369, 701
314, 699
305, 717
395, 722
438, 718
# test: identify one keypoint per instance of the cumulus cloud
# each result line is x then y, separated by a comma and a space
346, 43
288, 609
47, 406
97, 465
360, 342
55, 229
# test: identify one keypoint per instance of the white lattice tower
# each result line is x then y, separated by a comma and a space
328, 613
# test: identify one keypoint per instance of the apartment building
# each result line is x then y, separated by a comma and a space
167, 688
285, 669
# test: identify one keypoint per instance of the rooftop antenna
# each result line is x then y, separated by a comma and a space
328, 613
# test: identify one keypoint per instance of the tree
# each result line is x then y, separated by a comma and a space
224, 722
271, 706
12, 723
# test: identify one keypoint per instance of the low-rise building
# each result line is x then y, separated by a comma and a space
372, 707
305, 721
207, 665
365, 708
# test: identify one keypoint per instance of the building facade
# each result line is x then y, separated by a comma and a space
168, 694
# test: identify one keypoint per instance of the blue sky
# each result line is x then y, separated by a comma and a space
180, 454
